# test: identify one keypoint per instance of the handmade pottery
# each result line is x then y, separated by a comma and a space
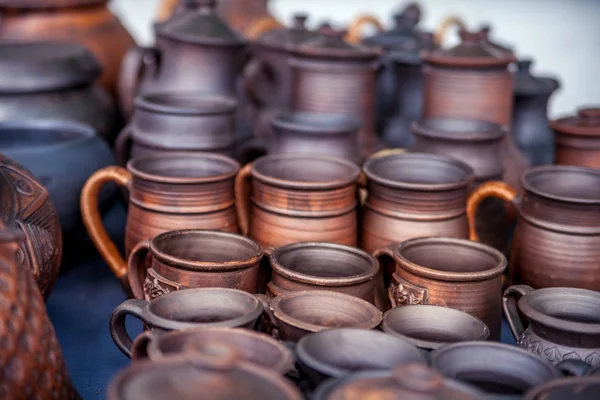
470, 280
578, 138
558, 211
168, 192
530, 129
431, 327
580, 388
336, 353
296, 314
298, 198
25, 204
186, 309
564, 323
54, 80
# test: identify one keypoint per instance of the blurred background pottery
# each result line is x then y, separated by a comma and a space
573, 388
578, 138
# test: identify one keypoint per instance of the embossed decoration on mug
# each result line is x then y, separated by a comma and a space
577, 138
166, 192
298, 198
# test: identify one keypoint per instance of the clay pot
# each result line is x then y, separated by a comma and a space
336, 353
193, 259
470, 280
31, 344
168, 122
583, 388
54, 80
88, 22
287, 199
322, 266
210, 370
169, 192
495, 368
578, 138
186, 309
296, 314
558, 212
564, 323
431, 327
253, 347
530, 129
26, 205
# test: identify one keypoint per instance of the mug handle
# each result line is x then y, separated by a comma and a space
139, 347
242, 198
509, 304
133, 67
251, 73
118, 331
355, 29
123, 145
383, 277
92, 219
267, 312
496, 189
444, 27
136, 268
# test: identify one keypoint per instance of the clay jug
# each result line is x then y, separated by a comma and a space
577, 138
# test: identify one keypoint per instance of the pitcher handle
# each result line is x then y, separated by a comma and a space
355, 29
496, 189
361, 184
383, 277
118, 331
92, 219
510, 299
268, 314
133, 67
445, 26
123, 145
242, 198
139, 348
250, 76
136, 268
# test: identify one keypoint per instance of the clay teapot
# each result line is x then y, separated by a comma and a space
25, 204
578, 138
89, 22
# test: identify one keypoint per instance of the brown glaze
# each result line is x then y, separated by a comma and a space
557, 239
25, 204
564, 323
577, 138
88, 22
170, 192
469, 280
31, 355
298, 198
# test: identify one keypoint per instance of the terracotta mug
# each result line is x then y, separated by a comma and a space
166, 192
298, 198
448, 272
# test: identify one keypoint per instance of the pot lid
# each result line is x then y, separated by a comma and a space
528, 85
200, 24
586, 122
329, 44
572, 388
475, 50
27, 67
286, 38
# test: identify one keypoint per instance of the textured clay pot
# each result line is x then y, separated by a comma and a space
577, 138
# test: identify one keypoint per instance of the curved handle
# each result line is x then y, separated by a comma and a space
252, 72
92, 219
139, 348
268, 315
510, 299
242, 198
489, 189
355, 29
133, 67
261, 26
445, 25
123, 145
573, 367
384, 276
361, 184
136, 268
118, 331
166, 10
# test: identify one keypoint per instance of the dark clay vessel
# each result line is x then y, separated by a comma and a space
25, 204
579, 388
54, 80
578, 138
168, 192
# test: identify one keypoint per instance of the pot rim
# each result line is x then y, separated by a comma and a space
219, 104
478, 135
324, 281
81, 132
136, 172
554, 168
205, 266
430, 273
347, 124
535, 392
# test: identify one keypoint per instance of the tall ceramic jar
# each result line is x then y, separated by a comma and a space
530, 129
578, 138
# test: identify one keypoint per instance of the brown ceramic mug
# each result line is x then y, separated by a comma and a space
448, 272
298, 198
166, 192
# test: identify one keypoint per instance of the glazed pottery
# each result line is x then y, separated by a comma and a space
209, 370
25, 204
168, 122
557, 236
88, 22
581, 388
54, 80
287, 199
430, 327
296, 314
410, 381
191, 259
470, 280
530, 129
186, 309
564, 323
253, 347
495, 368
168, 192
577, 138
336, 353
30, 344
